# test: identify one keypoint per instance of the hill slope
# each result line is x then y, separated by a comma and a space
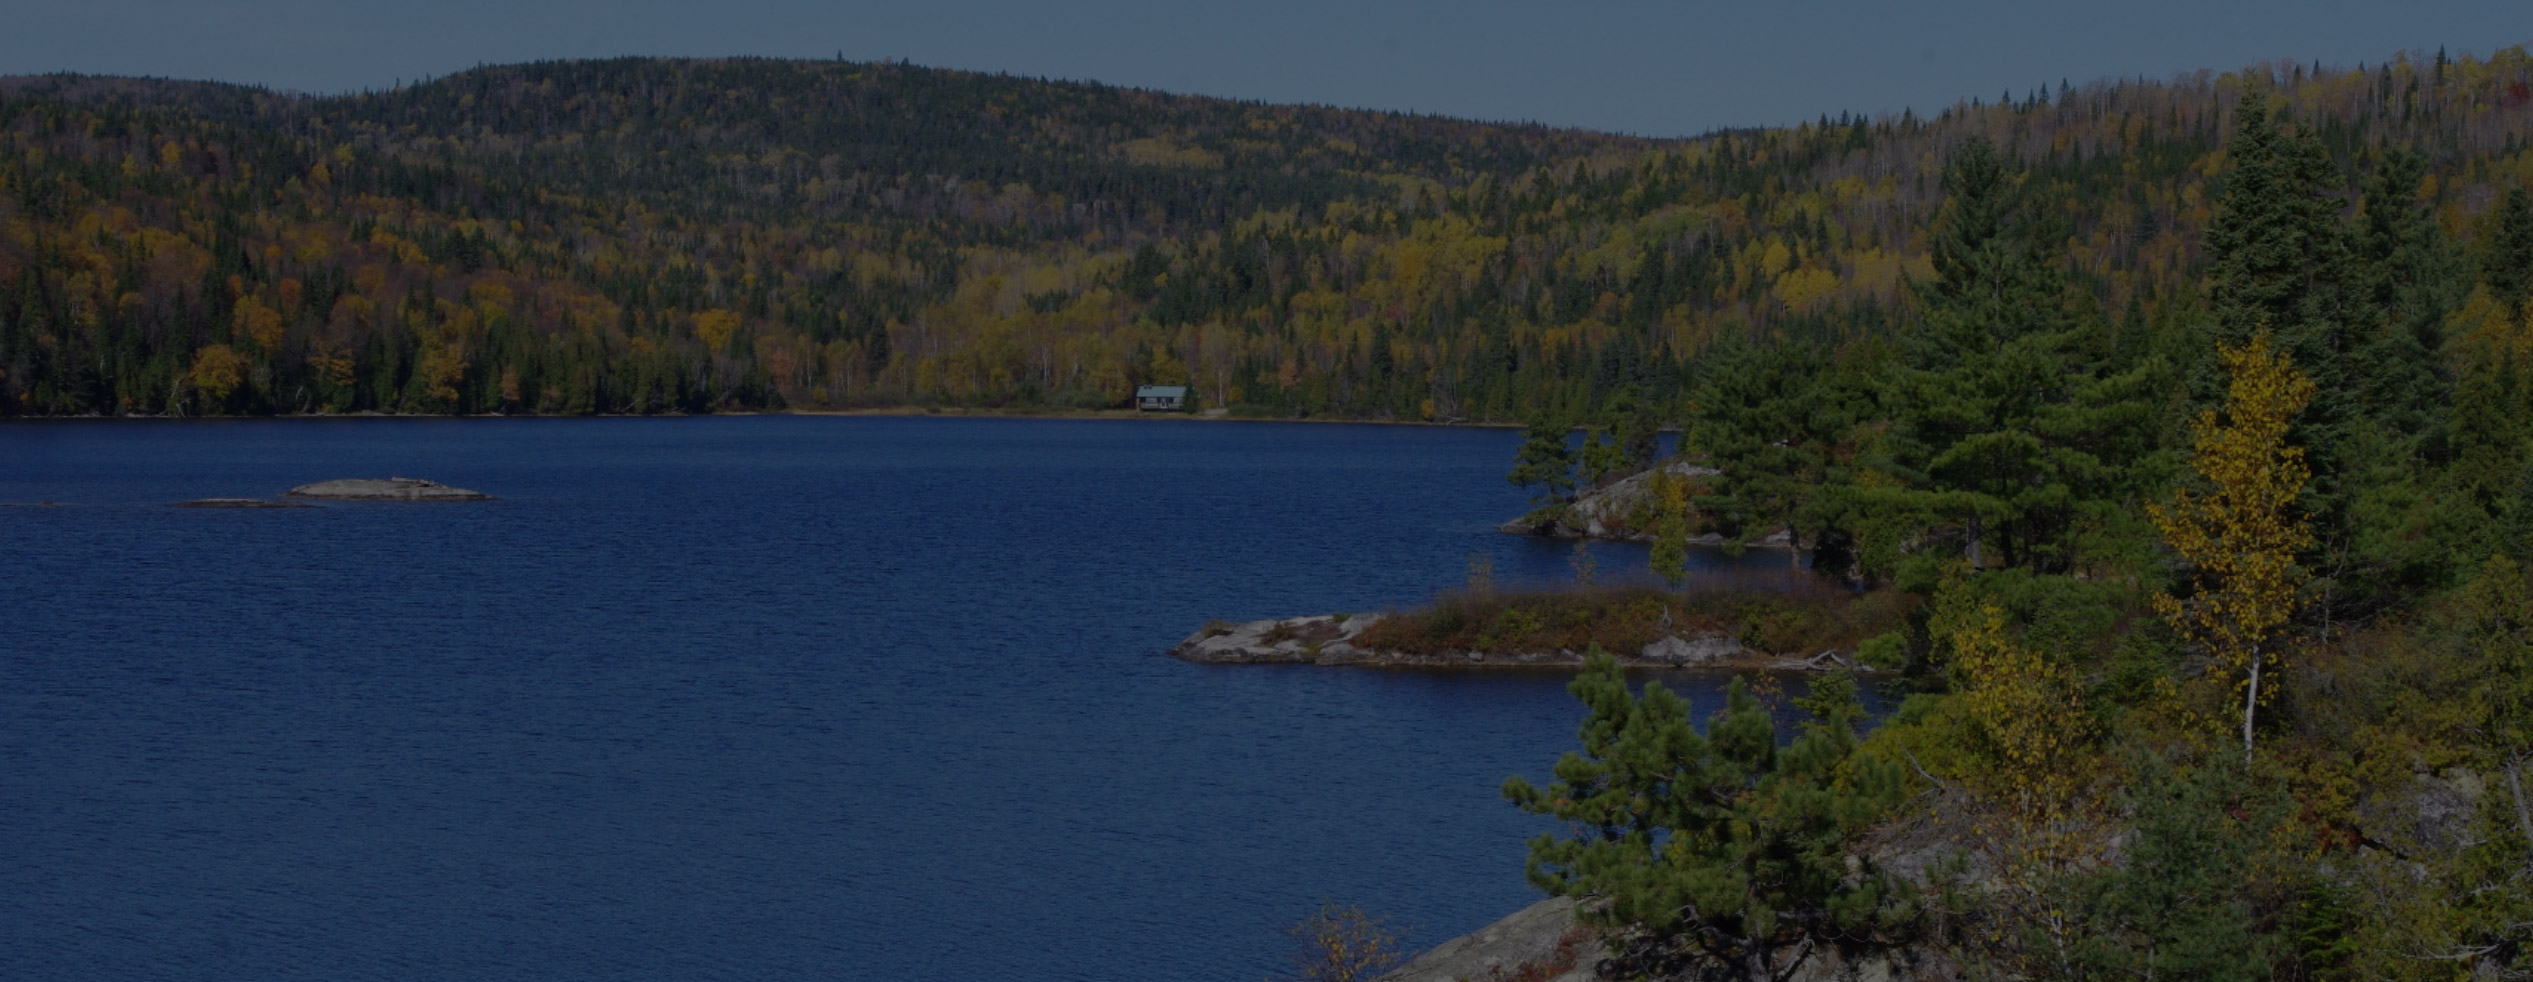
644, 235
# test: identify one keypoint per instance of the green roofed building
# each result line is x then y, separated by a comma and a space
1161, 398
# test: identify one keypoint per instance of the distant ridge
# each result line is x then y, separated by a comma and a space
650, 235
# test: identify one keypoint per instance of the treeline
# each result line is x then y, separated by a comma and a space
646, 235
2220, 664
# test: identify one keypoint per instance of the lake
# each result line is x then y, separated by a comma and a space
744, 698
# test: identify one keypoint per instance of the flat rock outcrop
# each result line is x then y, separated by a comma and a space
1334, 639
384, 489
1545, 941
1540, 939
1622, 510
240, 503
1327, 639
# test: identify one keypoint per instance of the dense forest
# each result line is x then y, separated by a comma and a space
640, 235
2204, 570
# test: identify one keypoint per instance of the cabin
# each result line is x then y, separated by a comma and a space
1161, 398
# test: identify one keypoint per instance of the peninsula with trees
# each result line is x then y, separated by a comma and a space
2213, 641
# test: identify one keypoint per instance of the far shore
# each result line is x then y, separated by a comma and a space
886, 411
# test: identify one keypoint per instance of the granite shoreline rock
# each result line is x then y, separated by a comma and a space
1534, 941
387, 489
1546, 941
1623, 511
1330, 639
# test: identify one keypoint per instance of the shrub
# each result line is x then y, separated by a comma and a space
1626, 618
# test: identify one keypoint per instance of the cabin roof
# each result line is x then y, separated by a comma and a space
1161, 391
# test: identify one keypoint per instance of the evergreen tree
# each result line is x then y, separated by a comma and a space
1767, 422
2413, 281
2378, 541
2178, 907
1544, 465
2515, 532
2507, 265
2002, 418
1636, 429
2498, 610
1601, 459
1670, 558
1724, 848
2280, 261
2488, 432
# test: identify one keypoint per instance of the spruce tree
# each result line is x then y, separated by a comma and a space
2507, 266
2515, 528
2413, 280
2489, 435
2374, 547
2280, 262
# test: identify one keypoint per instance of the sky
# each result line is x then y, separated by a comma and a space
1651, 68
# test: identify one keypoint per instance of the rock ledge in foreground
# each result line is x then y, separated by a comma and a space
239, 503
389, 489
1542, 941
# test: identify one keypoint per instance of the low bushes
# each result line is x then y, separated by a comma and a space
1626, 618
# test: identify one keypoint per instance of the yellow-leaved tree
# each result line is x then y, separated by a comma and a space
2240, 533
2028, 720
714, 328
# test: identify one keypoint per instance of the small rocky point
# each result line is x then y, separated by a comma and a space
240, 503
1330, 639
388, 489
1621, 510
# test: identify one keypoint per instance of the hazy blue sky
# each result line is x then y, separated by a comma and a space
1653, 68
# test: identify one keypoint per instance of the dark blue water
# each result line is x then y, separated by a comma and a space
743, 698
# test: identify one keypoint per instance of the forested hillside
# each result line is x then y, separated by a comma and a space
653, 235
2210, 520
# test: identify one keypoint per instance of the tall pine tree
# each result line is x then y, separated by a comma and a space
2004, 420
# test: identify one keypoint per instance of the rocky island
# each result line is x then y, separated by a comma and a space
387, 489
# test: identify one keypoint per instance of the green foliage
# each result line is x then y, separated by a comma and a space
1600, 460
1670, 554
2508, 266
1721, 847
659, 235
1544, 465
2184, 902
1887, 651
2006, 424
2384, 833
2497, 611
2413, 283
1765, 420
2515, 531
2489, 432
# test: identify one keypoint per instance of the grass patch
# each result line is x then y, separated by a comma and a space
1624, 619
